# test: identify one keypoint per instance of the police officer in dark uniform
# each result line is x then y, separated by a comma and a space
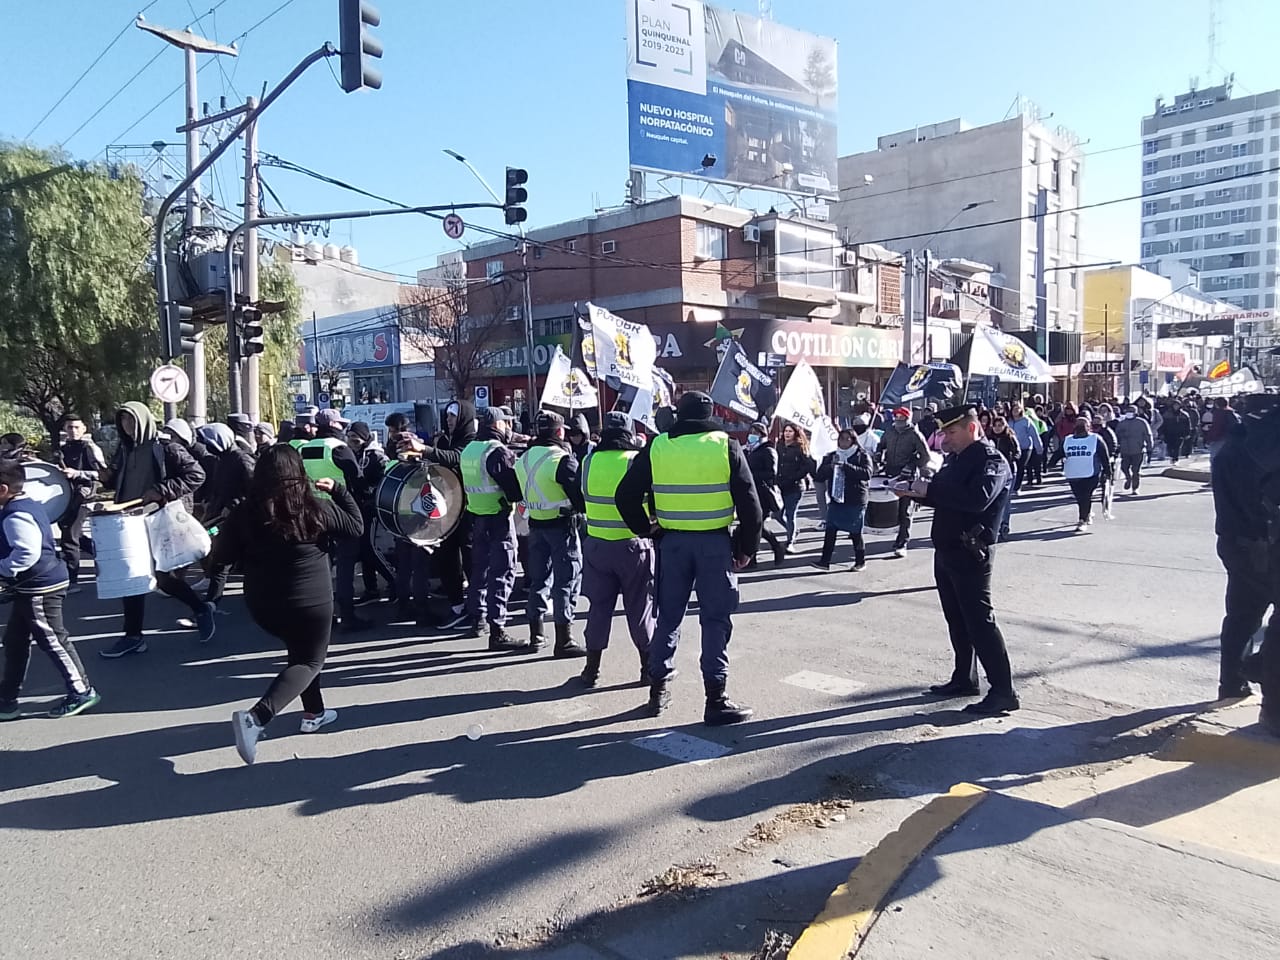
1246, 498
698, 478
968, 496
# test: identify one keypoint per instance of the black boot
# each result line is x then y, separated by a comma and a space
644, 668
499, 639
721, 711
566, 647
537, 635
590, 675
955, 687
779, 554
659, 698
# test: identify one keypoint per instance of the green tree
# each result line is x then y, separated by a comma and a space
77, 308
277, 363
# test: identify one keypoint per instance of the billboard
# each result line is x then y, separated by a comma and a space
758, 97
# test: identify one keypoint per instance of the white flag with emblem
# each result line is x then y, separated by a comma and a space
825, 436
801, 401
567, 387
622, 350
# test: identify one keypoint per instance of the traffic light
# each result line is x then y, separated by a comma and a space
517, 195
252, 330
179, 331
359, 46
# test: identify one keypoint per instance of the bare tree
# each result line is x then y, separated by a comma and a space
818, 74
464, 331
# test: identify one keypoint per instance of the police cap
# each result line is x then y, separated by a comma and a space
952, 415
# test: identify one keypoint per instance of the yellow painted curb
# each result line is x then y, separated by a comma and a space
1197, 745
855, 904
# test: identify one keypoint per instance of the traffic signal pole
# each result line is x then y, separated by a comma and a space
249, 265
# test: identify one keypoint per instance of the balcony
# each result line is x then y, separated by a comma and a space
784, 292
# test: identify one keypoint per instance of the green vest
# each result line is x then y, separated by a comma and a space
543, 496
298, 444
602, 471
484, 497
317, 460
691, 481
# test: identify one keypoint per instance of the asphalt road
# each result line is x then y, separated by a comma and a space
135, 831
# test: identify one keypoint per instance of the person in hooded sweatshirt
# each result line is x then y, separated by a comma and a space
1134, 436
372, 460
264, 438
762, 458
241, 425
225, 486
578, 433
549, 478
145, 469
615, 561
453, 557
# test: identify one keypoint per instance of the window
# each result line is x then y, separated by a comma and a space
1176, 178
1239, 150
1149, 147
1201, 156
712, 242
1168, 111
1205, 103
1219, 171
1241, 169
1222, 128
571, 246
1175, 161
493, 269
1219, 238
1148, 208
1197, 222
1148, 250
1217, 215
1149, 167
1055, 171
1235, 283
1200, 174
1187, 106
1255, 124
1148, 186
1198, 202
1220, 149
1222, 194
538, 251
1240, 215
1197, 263
608, 246
1188, 137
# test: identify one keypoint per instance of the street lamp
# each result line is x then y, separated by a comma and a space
530, 398
911, 260
1144, 321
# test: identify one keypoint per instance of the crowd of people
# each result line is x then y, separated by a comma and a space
622, 513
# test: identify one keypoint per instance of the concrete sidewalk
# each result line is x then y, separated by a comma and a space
1168, 854
1194, 468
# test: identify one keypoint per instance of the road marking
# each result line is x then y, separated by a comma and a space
855, 904
824, 683
681, 747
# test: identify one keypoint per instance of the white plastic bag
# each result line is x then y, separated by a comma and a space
177, 538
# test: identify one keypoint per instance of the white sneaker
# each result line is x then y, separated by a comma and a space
248, 732
899, 552
1109, 515
313, 724
1081, 527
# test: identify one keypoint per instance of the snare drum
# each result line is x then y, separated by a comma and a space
419, 502
48, 486
882, 508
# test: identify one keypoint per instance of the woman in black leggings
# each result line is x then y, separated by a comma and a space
278, 534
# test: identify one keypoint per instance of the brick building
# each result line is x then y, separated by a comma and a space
685, 267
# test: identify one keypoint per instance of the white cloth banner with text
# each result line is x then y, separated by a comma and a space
567, 387
801, 401
622, 350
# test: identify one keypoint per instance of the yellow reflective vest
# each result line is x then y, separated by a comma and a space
691, 481
484, 495
602, 471
544, 497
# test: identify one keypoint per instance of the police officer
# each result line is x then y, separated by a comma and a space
1246, 489
304, 428
968, 497
491, 485
616, 561
698, 477
548, 475
328, 456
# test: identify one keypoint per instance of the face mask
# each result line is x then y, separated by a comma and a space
1130, 415
901, 425
754, 439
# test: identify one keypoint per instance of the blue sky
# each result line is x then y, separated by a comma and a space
542, 85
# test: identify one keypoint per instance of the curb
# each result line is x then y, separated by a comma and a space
1178, 473
853, 907
1202, 743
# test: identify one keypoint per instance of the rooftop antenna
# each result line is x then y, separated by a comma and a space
765, 9
1215, 18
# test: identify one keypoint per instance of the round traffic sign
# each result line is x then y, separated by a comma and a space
170, 384
453, 226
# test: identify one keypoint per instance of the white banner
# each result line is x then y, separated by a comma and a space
996, 354
824, 440
567, 387
801, 401
622, 350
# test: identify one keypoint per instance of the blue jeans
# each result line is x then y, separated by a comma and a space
554, 567
687, 562
1008, 508
790, 505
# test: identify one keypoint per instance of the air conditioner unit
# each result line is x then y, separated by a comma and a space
608, 246
848, 258
751, 233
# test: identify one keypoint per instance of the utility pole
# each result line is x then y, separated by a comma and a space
249, 261
909, 308
190, 44
927, 352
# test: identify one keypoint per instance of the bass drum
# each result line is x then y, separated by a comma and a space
48, 486
419, 502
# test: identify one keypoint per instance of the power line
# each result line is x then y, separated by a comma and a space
157, 105
111, 99
96, 60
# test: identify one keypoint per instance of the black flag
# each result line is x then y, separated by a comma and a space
927, 381
741, 386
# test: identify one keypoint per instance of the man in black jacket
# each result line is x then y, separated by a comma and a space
145, 469
371, 458
903, 453
762, 459
968, 497
1246, 491
82, 461
698, 478
331, 436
